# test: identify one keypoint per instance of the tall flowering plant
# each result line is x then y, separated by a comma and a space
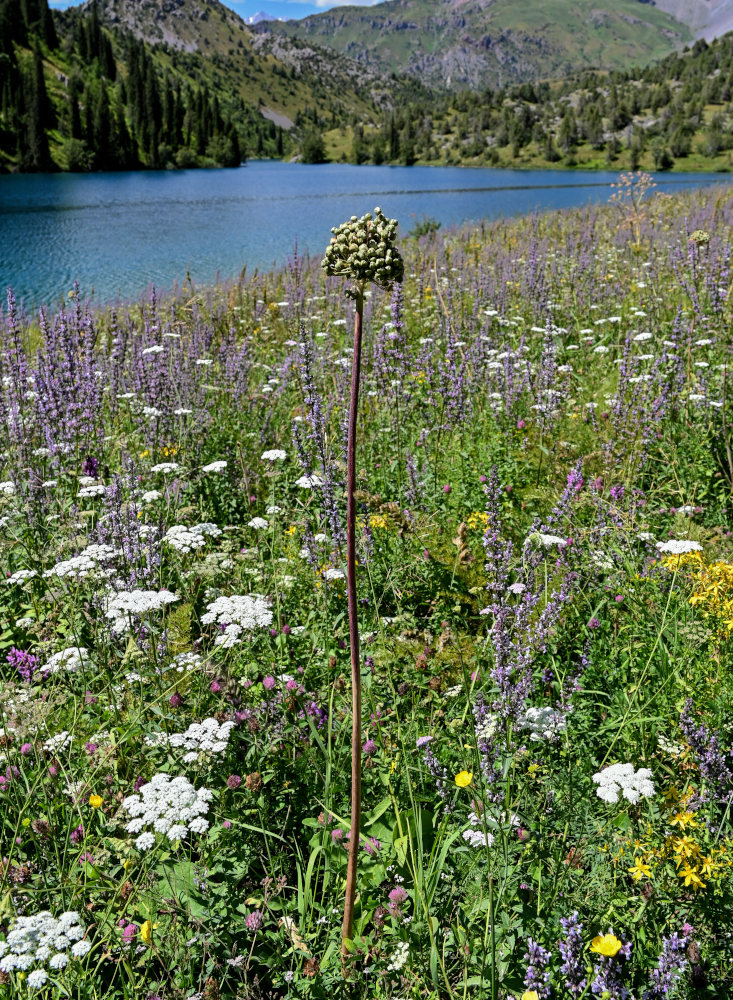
362, 250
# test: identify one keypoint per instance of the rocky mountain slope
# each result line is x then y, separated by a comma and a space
706, 18
478, 43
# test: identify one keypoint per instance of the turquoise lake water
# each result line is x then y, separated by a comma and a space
117, 234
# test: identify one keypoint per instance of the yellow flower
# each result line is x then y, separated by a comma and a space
707, 866
464, 779
683, 819
146, 932
691, 877
606, 944
640, 870
530, 995
95, 801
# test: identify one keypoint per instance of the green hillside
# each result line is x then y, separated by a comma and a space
480, 43
121, 85
676, 114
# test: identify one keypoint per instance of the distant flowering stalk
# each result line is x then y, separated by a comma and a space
537, 976
439, 773
498, 552
317, 420
571, 949
362, 250
715, 765
608, 968
672, 963
24, 662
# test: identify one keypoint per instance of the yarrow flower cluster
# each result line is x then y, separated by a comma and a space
399, 957
184, 539
208, 736
67, 660
85, 563
274, 455
128, 604
544, 723
678, 546
475, 835
42, 940
308, 482
170, 806
238, 613
185, 662
21, 575
54, 744
622, 778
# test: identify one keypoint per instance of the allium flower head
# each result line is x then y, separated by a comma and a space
364, 250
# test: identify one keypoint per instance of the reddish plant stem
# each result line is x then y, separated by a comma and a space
349, 900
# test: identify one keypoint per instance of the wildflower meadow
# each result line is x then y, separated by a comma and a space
503, 769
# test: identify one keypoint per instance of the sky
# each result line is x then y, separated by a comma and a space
279, 8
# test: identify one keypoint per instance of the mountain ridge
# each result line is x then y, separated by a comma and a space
478, 43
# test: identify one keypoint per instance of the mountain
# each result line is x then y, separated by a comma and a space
123, 84
706, 18
259, 17
281, 76
478, 43
675, 114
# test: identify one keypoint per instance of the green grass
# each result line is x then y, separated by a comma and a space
518, 428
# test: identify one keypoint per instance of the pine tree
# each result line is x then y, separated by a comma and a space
36, 155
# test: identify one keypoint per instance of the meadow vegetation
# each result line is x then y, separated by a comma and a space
545, 584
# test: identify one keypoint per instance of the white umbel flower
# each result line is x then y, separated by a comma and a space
309, 482
21, 575
208, 736
184, 539
274, 455
237, 613
127, 604
168, 806
40, 939
678, 546
98, 490
623, 779
67, 660
214, 467
549, 540
544, 723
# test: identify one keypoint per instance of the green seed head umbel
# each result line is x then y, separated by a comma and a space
364, 250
